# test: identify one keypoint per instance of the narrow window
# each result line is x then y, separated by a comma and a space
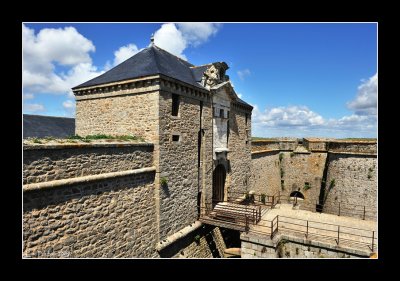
227, 131
175, 105
199, 136
247, 117
216, 112
199, 148
221, 113
175, 138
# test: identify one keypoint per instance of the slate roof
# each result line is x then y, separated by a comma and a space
239, 100
150, 61
37, 126
198, 71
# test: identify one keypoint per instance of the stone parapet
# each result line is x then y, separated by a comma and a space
45, 162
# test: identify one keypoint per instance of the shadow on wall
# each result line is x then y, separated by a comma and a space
189, 245
233, 122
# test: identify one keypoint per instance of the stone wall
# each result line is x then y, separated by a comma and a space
287, 145
204, 242
128, 114
299, 168
265, 175
107, 218
262, 145
354, 171
315, 145
362, 147
239, 155
355, 185
100, 205
61, 161
179, 161
207, 163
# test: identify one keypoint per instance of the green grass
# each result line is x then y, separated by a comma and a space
88, 138
74, 137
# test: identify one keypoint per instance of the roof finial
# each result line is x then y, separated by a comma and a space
152, 39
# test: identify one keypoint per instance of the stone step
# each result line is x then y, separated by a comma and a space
232, 252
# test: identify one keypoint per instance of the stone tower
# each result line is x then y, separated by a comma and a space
199, 127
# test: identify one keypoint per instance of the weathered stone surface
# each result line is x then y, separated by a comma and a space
119, 115
365, 147
265, 176
291, 249
96, 239
353, 171
239, 145
179, 161
42, 165
203, 242
355, 178
298, 168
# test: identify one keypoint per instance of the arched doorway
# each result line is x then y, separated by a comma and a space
219, 176
296, 196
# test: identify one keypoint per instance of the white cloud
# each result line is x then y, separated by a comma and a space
168, 37
196, 33
64, 46
365, 103
34, 107
175, 38
50, 47
300, 121
69, 107
243, 73
291, 116
69, 104
124, 53
28, 96
57, 59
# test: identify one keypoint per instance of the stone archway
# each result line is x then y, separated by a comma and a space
219, 176
297, 194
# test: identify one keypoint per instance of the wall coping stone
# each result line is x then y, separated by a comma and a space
352, 153
85, 145
354, 141
276, 141
84, 179
178, 235
264, 151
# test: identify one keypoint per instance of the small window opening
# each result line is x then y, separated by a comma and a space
221, 113
175, 138
175, 105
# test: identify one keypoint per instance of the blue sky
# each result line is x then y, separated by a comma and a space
303, 79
